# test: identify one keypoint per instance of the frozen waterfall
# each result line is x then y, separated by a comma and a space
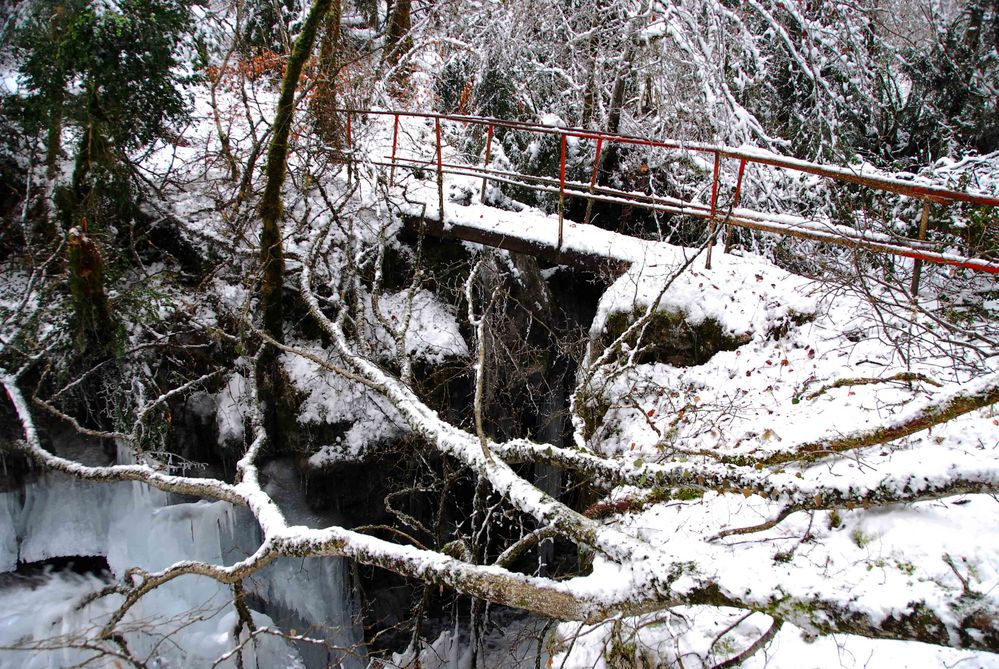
189, 622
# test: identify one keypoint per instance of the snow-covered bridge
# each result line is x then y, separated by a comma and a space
418, 143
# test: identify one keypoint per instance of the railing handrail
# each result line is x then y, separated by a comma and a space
921, 191
926, 193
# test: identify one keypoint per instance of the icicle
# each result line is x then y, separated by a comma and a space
10, 512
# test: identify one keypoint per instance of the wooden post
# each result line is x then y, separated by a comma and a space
440, 170
395, 142
735, 203
593, 180
485, 165
561, 193
714, 207
917, 266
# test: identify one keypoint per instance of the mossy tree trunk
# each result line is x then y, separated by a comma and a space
269, 376
397, 38
53, 143
91, 308
45, 228
324, 103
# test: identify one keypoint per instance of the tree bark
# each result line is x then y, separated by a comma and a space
91, 307
271, 209
327, 123
397, 37
592, 48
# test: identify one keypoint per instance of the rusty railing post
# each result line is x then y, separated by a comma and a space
395, 142
735, 203
917, 267
593, 180
485, 165
561, 193
350, 152
440, 170
714, 206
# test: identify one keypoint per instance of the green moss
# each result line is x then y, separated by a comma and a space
271, 205
687, 494
725, 647
859, 537
592, 411
640, 502
623, 648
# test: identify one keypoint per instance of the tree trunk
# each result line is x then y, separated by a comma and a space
592, 48
328, 125
53, 143
91, 307
45, 227
271, 208
397, 36
617, 93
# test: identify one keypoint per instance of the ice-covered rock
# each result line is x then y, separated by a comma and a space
10, 511
232, 406
133, 525
63, 516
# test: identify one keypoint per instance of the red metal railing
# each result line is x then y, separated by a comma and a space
793, 226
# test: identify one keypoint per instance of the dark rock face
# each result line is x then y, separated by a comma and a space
96, 565
670, 339
403, 485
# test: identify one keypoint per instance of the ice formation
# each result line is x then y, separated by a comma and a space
188, 622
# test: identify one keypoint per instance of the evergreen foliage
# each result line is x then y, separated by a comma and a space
110, 73
109, 66
267, 25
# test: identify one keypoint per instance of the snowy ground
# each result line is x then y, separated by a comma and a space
795, 337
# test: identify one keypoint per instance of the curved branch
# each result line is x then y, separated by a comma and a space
507, 557
904, 490
657, 583
767, 637
982, 393
185, 485
743, 471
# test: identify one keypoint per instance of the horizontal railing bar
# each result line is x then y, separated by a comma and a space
649, 201
759, 156
745, 218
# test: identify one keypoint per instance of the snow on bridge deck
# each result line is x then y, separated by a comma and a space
733, 292
541, 236
533, 232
